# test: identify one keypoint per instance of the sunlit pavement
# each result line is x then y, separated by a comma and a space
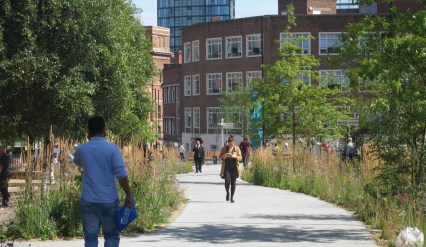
259, 217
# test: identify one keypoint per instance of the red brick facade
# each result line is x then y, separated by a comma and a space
308, 7
160, 38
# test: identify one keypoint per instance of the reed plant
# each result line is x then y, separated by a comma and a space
50, 209
348, 184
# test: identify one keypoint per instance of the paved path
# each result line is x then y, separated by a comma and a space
260, 217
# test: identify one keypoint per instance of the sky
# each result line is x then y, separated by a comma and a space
243, 8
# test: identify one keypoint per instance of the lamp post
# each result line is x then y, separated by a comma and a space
221, 130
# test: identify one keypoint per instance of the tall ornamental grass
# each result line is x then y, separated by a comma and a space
350, 185
50, 209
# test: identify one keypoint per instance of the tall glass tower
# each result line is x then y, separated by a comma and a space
181, 13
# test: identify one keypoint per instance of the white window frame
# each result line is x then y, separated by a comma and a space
320, 39
173, 94
230, 79
302, 76
195, 50
187, 86
248, 46
249, 77
208, 84
207, 48
195, 82
187, 52
294, 36
240, 47
342, 75
208, 114
195, 113
188, 123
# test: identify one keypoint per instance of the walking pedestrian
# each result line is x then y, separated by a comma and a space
245, 146
102, 164
182, 152
198, 156
230, 171
204, 148
350, 150
4, 176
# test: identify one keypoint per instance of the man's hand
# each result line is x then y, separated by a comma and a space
124, 183
128, 202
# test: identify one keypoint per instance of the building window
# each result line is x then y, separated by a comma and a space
187, 52
196, 84
173, 95
305, 45
233, 47
187, 117
329, 43
214, 49
214, 84
305, 77
334, 79
254, 48
213, 147
169, 94
165, 96
233, 80
195, 51
214, 116
253, 75
188, 85
159, 112
196, 117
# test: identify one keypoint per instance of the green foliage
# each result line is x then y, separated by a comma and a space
349, 186
392, 70
291, 106
62, 61
57, 215
236, 105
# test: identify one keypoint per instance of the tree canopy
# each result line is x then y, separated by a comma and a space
389, 56
62, 61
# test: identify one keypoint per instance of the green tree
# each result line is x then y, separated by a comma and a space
389, 57
236, 105
292, 106
62, 61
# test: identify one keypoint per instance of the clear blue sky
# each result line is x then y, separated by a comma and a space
243, 8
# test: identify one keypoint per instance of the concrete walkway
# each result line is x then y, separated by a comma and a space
260, 217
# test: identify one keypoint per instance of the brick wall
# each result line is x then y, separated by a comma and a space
272, 27
307, 7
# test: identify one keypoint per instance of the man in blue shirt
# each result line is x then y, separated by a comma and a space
102, 163
4, 176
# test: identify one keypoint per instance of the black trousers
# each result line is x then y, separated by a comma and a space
4, 189
198, 164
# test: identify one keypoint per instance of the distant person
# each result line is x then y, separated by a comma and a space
230, 171
245, 147
182, 152
286, 147
4, 176
198, 156
324, 147
350, 150
204, 148
226, 143
277, 150
102, 164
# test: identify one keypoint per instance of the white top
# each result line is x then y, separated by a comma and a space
182, 149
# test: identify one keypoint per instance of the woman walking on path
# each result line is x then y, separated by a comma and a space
230, 171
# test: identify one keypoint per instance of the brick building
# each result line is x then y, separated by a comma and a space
160, 38
172, 74
219, 54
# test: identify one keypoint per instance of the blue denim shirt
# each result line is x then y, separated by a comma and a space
102, 163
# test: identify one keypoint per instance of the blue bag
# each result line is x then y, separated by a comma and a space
132, 216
